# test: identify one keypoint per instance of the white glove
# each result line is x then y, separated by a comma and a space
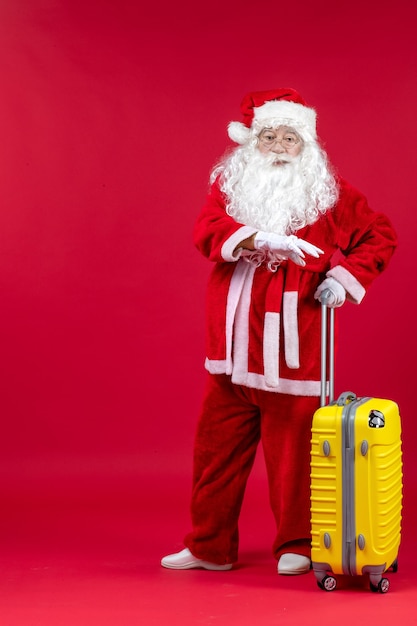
337, 294
286, 246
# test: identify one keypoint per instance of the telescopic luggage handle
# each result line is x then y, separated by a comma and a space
324, 298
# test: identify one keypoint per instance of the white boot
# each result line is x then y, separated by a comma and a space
292, 564
186, 560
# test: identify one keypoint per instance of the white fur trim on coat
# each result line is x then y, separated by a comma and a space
228, 249
257, 381
354, 290
235, 293
271, 348
290, 319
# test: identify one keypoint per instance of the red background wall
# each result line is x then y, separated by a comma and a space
111, 115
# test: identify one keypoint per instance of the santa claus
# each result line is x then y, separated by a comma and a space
275, 217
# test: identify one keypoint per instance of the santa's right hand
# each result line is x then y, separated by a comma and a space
286, 246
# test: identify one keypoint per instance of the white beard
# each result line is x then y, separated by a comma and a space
277, 198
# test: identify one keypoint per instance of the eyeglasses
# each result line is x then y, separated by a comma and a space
268, 138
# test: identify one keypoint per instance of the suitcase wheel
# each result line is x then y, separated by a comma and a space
382, 586
328, 583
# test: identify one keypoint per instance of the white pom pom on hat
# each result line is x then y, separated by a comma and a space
273, 108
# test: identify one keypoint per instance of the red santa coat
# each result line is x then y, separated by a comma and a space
263, 327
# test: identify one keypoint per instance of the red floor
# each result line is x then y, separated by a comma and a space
90, 556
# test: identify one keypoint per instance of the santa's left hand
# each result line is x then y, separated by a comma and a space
337, 295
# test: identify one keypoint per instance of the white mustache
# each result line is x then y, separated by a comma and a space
283, 158
271, 158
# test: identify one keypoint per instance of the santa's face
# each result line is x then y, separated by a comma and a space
277, 181
280, 141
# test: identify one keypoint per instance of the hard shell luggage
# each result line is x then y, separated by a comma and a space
356, 481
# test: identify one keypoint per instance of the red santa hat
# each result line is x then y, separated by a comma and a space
279, 107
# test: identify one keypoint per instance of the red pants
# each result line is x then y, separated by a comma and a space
233, 421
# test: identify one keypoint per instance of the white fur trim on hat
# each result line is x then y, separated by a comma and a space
299, 116
277, 113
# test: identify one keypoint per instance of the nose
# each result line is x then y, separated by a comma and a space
277, 148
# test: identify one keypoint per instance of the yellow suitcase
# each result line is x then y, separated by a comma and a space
356, 483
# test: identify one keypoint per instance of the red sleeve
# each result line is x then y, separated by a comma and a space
367, 240
216, 234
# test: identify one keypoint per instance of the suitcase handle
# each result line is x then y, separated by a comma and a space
324, 297
347, 396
